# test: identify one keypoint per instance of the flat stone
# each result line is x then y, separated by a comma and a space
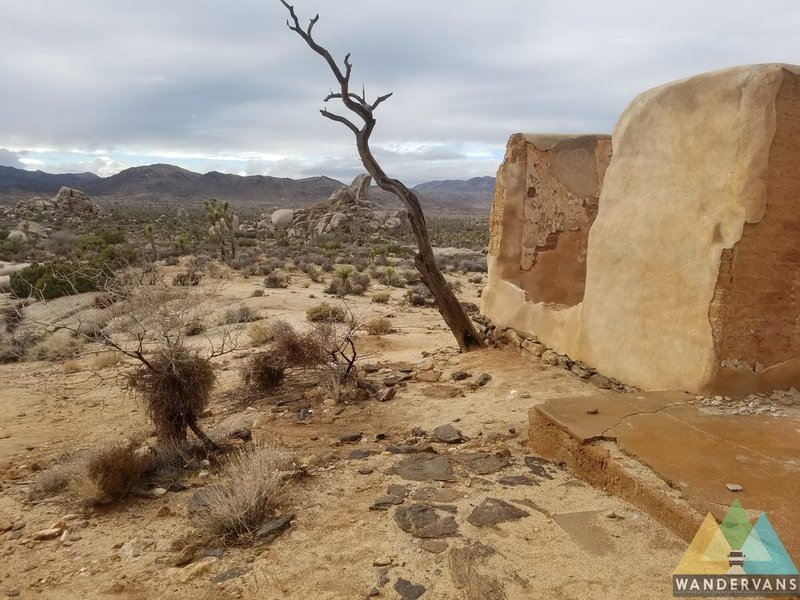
273, 529
229, 574
429, 376
448, 434
426, 521
436, 494
386, 502
483, 379
483, 463
584, 528
359, 454
392, 380
434, 546
6, 526
515, 480
408, 590
401, 491
350, 437
215, 552
366, 471
494, 511
382, 561
539, 466
176, 487
442, 392
370, 368
734, 487
460, 375
424, 466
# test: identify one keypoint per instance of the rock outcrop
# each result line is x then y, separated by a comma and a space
348, 210
692, 266
67, 201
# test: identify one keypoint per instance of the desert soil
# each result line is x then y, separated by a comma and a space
564, 538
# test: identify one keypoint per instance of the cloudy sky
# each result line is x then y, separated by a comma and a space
102, 85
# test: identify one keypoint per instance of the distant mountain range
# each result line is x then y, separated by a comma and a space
168, 185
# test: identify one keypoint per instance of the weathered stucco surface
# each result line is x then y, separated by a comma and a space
692, 264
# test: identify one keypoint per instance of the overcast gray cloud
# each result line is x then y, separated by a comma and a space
97, 85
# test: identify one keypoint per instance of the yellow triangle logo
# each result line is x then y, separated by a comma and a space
708, 552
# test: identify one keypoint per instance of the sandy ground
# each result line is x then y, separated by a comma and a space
574, 542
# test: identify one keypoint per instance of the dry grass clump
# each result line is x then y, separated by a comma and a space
381, 297
260, 333
71, 366
60, 345
108, 474
263, 372
238, 314
104, 360
176, 386
237, 509
99, 476
379, 326
326, 312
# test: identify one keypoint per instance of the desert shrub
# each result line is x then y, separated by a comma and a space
326, 312
455, 285
415, 299
59, 278
276, 280
238, 314
469, 265
476, 279
295, 349
263, 372
109, 473
237, 508
256, 293
411, 277
60, 345
341, 282
268, 266
187, 278
359, 283
388, 276
176, 386
260, 333
194, 327
313, 271
247, 242
379, 326
103, 301
381, 297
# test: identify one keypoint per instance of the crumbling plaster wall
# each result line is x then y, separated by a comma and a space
692, 261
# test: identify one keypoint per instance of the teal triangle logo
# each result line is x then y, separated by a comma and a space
764, 553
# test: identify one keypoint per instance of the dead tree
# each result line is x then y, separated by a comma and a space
425, 261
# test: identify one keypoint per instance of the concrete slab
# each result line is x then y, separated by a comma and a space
694, 454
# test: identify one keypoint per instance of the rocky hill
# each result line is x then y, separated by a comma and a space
163, 186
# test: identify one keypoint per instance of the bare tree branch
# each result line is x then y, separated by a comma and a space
449, 306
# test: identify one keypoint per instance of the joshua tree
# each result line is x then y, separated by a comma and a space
223, 224
363, 111
149, 232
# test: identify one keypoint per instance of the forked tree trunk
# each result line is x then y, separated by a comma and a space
447, 303
449, 306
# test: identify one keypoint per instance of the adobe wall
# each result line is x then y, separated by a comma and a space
692, 272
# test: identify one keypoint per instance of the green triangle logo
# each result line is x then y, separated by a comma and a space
736, 526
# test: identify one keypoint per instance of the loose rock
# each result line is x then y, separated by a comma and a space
424, 466
448, 434
408, 590
494, 511
426, 521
